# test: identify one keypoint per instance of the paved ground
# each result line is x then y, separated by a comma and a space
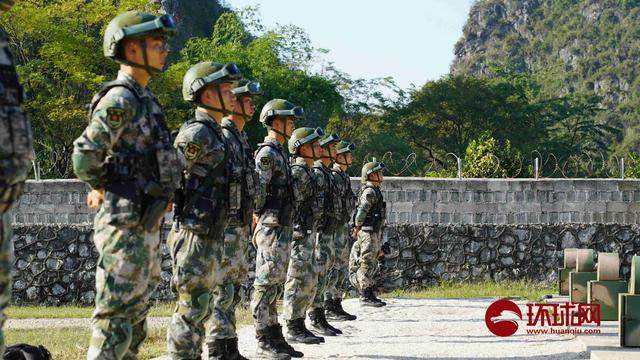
414, 329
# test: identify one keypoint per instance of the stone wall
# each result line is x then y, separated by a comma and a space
439, 229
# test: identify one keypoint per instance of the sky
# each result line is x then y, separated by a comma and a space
411, 40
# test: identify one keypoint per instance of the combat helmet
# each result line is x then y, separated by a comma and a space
282, 108
243, 88
303, 136
342, 148
5, 5
135, 24
205, 73
328, 140
369, 168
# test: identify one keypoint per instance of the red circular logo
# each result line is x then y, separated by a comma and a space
502, 317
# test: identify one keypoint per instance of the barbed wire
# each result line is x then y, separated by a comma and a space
56, 163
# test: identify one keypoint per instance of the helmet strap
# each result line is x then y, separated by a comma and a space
224, 108
150, 69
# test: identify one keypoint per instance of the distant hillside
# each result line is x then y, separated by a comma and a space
588, 46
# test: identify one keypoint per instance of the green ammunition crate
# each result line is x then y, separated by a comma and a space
629, 320
563, 280
578, 284
605, 293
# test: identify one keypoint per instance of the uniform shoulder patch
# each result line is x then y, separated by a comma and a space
192, 151
115, 117
265, 162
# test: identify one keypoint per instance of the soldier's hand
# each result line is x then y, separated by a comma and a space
355, 232
95, 198
169, 207
254, 222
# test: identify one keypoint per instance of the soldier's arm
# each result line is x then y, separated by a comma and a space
109, 119
264, 168
365, 203
320, 181
194, 147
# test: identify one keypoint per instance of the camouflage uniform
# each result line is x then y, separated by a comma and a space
126, 150
16, 153
299, 289
273, 232
197, 237
242, 189
325, 248
341, 239
370, 216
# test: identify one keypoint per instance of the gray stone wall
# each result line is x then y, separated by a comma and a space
439, 229
417, 200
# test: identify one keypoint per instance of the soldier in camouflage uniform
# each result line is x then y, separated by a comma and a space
197, 237
16, 153
299, 289
126, 156
273, 232
368, 227
222, 339
328, 204
340, 270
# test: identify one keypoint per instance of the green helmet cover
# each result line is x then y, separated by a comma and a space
279, 107
370, 168
329, 139
205, 73
344, 147
134, 24
303, 136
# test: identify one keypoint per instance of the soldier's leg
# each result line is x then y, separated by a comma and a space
196, 261
324, 257
334, 285
124, 275
6, 256
354, 264
369, 250
234, 268
139, 321
272, 244
300, 286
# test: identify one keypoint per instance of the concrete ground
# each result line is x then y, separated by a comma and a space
423, 329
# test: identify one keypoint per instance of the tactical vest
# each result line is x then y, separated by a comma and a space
16, 144
347, 199
327, 221
148, 178
202, 202
279, 197
304, 214
242, 186
377, 214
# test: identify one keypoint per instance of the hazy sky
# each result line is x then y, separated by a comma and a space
411, 40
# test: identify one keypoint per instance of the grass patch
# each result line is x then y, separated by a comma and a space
160, 309
73, 343
524, 289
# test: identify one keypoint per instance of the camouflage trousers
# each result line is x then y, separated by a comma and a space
127, 273
340, 269
272, 245
6, 261
300, 286
363, 261
196, 271
226, 295
324, 255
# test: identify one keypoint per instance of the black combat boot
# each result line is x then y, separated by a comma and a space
298, 333
268, 347
375, 298
334, 311
217, 349
232, 352
319, 321
368, 299
281, 343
